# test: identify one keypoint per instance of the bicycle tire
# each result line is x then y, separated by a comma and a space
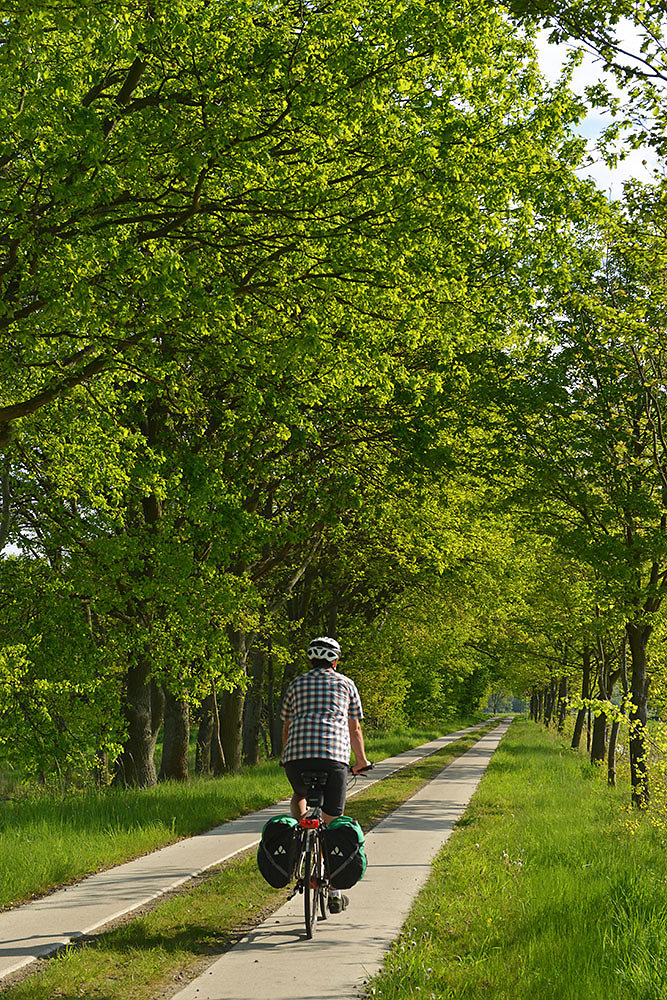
311, 888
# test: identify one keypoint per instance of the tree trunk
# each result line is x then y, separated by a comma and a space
540, 705
101, 769
533, 706
585, 694
550, 700
218, 762
204, 736
144, 700
562, 704
599, 741
158, 700
638, 636
613, 739
297, 609
275, 722
611, 756
176, 739
252, 709
231, 708
136, 764
231, 725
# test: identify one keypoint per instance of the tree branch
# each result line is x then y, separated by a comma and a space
16, 410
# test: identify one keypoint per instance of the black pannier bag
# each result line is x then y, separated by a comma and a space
346, 859
276, 854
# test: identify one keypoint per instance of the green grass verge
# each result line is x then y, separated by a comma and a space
177, 938
547, 889
48, 840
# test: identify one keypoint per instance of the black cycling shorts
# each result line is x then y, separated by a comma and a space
335, 788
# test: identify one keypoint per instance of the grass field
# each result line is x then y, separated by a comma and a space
154, 954
548, 890
47, 839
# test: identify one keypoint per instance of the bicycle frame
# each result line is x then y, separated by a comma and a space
311, 870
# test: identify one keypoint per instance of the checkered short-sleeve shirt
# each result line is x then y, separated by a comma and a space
318, 705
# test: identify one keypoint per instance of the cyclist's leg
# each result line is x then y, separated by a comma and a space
335, 790
334, 805
298, 806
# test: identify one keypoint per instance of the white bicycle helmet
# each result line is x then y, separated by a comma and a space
323, 648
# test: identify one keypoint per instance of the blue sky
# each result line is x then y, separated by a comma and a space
639, 163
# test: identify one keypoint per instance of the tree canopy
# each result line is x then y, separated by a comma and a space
309, 325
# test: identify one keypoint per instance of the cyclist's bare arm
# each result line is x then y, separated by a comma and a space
361, 761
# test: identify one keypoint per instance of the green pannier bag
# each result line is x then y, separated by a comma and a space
346, 858
277, 851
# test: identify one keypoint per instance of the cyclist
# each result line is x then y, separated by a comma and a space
322, 715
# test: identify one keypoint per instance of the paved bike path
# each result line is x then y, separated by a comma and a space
275, 961
40, 928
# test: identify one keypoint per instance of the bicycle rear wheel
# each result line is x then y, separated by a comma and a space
313, 895
309, 899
